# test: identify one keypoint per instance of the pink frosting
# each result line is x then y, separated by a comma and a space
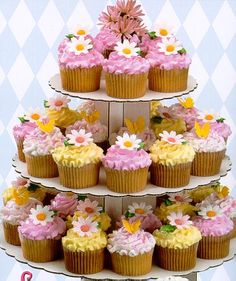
22, 130
40, 143
14, 213
121, 65
65, 204
149, 44
217, 227
124, 159
70, 60
105, 40
51, 230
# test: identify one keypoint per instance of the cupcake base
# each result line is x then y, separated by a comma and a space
20, 152
233, 232
11, 233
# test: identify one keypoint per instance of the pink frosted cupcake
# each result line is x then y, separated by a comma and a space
40, 235
126, 72
80, 64
126, 165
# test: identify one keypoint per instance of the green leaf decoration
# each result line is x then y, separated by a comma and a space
66, 143
33, 187
168, 228
82, 197
156, 119
45, 104
152, 35
70, 36
141, 146
182, 51
22, 119
55, 213
168, 202
129, 215
140, 53
185, 142
99, 225
215, 184
220, 120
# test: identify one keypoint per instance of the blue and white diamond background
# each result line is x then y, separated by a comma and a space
30, 32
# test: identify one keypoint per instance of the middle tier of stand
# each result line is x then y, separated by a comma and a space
102, 190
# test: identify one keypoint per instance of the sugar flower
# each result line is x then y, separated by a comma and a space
128, 142
58, 102
41, 215
172, 137
81, 30
85, 226
210, 212
80, 138
80, 45
169, 46
208, 116
140, 209
180, 197
127, 49
88, 207
20, 182
179, 220
165, 112
164, 30
34, 115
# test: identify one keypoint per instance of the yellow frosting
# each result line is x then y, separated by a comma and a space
64, 117
74, 156
201, 193
164, 211
73, 242
178, 239
171, 154
153, 107
168, 125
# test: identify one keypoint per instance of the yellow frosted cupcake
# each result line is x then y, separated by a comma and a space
78, 161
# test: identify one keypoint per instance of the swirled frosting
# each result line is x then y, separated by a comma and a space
22, 130
124, 159
213, 143
201, 193
68, 59
74, 156
73, 242
51, 230
14, 213
121, 65
219, 226
171, 154
65, 204
177, 125
178, 239
105, 40
38, 143
124, 243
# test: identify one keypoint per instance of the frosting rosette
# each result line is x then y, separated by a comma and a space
178, 125
22, 130
105, 40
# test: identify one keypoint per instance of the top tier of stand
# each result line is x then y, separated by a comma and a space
100, 95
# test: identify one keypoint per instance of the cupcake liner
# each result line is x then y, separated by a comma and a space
233, 232
41, 250
132, 266
170, 176
88, 262
176, 259
161, 80
213, 247
21, 155
11, 233
41, 166
81, 79
82, 177
126, 86
123, 181
207, 163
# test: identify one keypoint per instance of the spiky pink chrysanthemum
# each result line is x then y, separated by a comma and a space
129, 8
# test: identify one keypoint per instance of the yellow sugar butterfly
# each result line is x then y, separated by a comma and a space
90, 118
20, 195
202, 131
131, 227
46, 127
137, 126
186, 103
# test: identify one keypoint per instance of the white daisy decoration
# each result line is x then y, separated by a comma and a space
79, 138
127, 49
41, 215
172, 137
169, 46
58, 102
34, 115
80, 45
88, 207
81, 30
208, 116
140, 209
180, 197
179, 220
128, 142
210, 212
164, 30
85, 226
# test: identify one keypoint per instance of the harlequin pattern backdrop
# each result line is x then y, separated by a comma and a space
30, 32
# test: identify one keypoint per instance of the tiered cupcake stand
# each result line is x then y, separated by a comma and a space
113, 112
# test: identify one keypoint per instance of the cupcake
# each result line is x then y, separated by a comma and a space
126, 72
78, 160
131, 247
80, 64
57, 109
201, 192
40, 235
37, 148
209, 148
169, 66
126, 165
176, 243
216, 230
83, 247
172, 158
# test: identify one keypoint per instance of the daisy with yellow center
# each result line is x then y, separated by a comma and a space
80, 45
58, 102
179, 220
128, 142
164, 30
208, 116
169, 46
85, 226
79, 138
140, 209
81, 30
90, 208
172, 137
41, 215
127, 49
210, 212
34, 115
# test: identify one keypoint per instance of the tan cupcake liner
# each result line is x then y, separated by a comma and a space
176, 259
123, 181
233, 232
214, 247
132, 266
170, 176
161, 80
41, 166
20, 152
81, 79
88, 262
41, 250
126, 86
11, 233
77, 178
207, 163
